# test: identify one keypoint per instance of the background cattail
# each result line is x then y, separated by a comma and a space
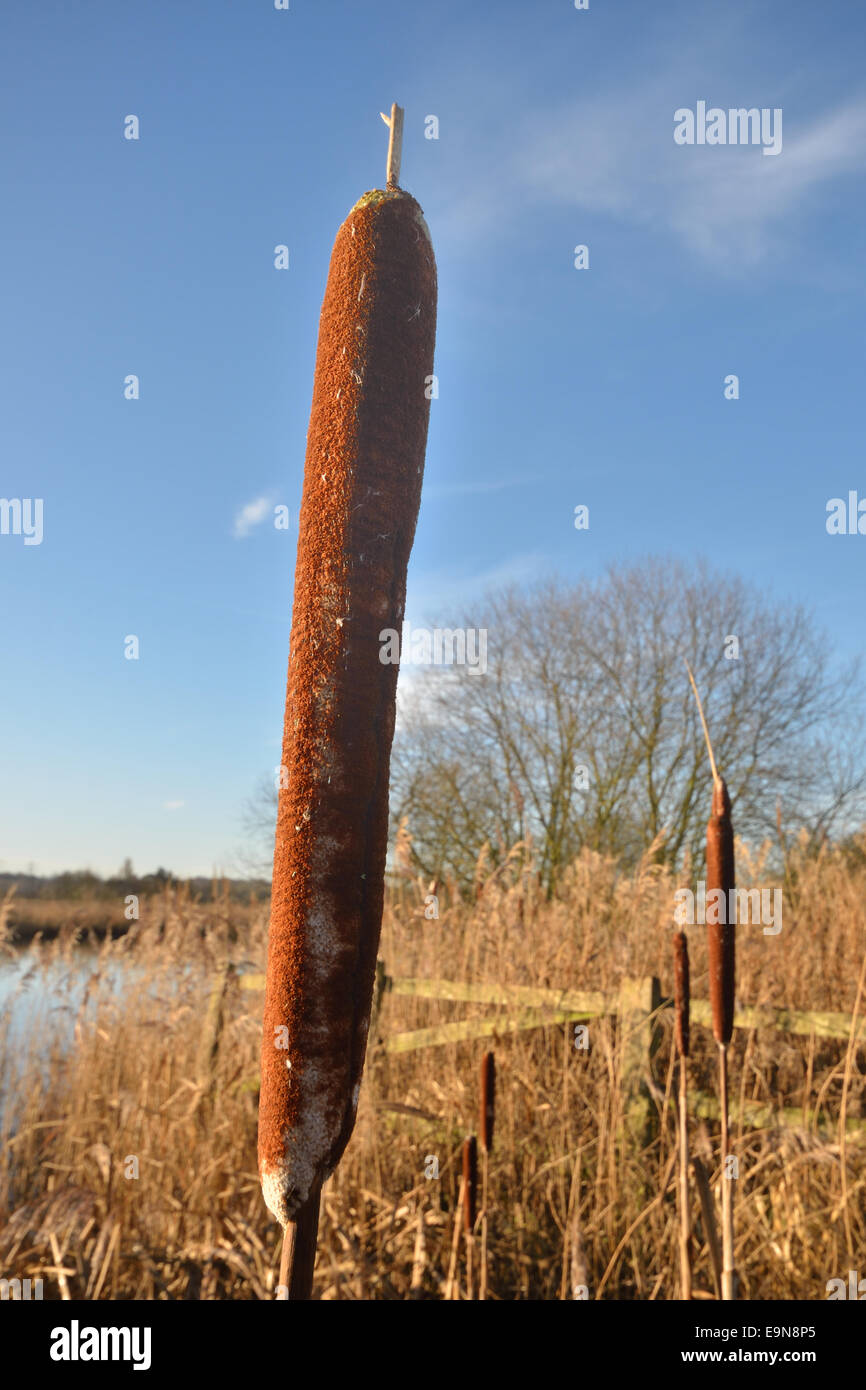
721, 934
721, 937
681, 992
488, 1100
720, 949
470, 1183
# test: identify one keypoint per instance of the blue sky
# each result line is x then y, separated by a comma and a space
557, 386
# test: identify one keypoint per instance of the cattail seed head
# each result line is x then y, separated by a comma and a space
681, 991
470, 1183
488, 1100
721, 934
366, 440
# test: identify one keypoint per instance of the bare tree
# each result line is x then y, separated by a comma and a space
259, 819
583, 730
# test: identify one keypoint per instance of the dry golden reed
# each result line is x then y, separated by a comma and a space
87, 1086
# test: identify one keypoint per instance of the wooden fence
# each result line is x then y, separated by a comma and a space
637, 1004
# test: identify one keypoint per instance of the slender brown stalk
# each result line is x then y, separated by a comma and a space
709, 1217
681, 1004
470, 1284
685, 1216
470, 1204
419, 1260
579, 1267
485, 1179
729, 1275
451, 1281
298, 1256
488, 1116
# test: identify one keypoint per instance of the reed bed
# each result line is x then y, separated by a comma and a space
162, 1080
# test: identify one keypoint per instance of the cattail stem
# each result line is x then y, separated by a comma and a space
470, 1285
729, 1277
709, 1218
470, 1203
488, 1117
682, 1004
299, 1252
419, 1260
455, 1247
485, 1174
685, 1223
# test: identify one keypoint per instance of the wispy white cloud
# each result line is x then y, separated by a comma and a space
611, 152
743, 208
173, 805
250, 515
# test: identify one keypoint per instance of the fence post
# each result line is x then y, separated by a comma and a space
212, 1027
638, 1039
381, 985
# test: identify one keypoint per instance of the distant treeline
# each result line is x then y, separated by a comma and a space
83, 885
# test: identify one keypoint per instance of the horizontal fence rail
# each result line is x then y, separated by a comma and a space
546, 1006
637, 1004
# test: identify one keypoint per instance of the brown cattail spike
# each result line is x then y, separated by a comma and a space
488, 1100
721, 933
362, 487
470, 1183
681, 991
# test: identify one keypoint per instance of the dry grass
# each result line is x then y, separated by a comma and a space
25, 918
166, 1074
